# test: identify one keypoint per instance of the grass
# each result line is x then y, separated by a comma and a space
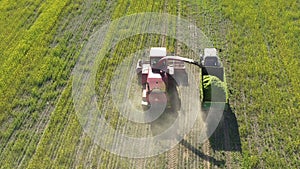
41, 41
263, 62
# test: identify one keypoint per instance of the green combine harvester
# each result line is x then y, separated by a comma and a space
213, 81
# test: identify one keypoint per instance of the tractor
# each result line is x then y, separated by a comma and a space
213, 80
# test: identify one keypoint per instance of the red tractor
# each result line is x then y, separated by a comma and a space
160, 75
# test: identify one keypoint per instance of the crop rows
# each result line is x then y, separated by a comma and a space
22, 74
62, 135
33, 81
41, 42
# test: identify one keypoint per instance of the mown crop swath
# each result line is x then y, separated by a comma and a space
41, 40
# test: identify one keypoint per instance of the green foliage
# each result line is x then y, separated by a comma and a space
213, 89
31, 79
250, 161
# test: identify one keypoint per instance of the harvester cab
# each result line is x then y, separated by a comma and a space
156, 54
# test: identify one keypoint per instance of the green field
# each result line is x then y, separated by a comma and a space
41, 42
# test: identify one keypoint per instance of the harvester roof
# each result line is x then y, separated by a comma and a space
158, 52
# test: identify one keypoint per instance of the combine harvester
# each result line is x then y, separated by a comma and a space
161, 74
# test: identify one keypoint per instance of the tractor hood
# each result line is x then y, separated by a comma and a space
155, 81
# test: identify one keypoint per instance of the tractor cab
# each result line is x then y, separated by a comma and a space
210, 58
211, 61
211, 64
155, 55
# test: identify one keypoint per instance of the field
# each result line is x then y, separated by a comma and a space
42, 41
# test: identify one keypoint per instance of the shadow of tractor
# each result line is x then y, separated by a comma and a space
226, 137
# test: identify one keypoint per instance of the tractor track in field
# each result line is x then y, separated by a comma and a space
137, 130
38, 128
206, 145
85, 34
225, 122
79, 150
209, 22
172, 155
72, 27
173, 158
194, 159
222, 31
85, 22
187, 154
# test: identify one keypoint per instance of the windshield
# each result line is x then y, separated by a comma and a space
154, 61
211, 61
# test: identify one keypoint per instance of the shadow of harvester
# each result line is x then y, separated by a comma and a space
226, 137
200, 154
